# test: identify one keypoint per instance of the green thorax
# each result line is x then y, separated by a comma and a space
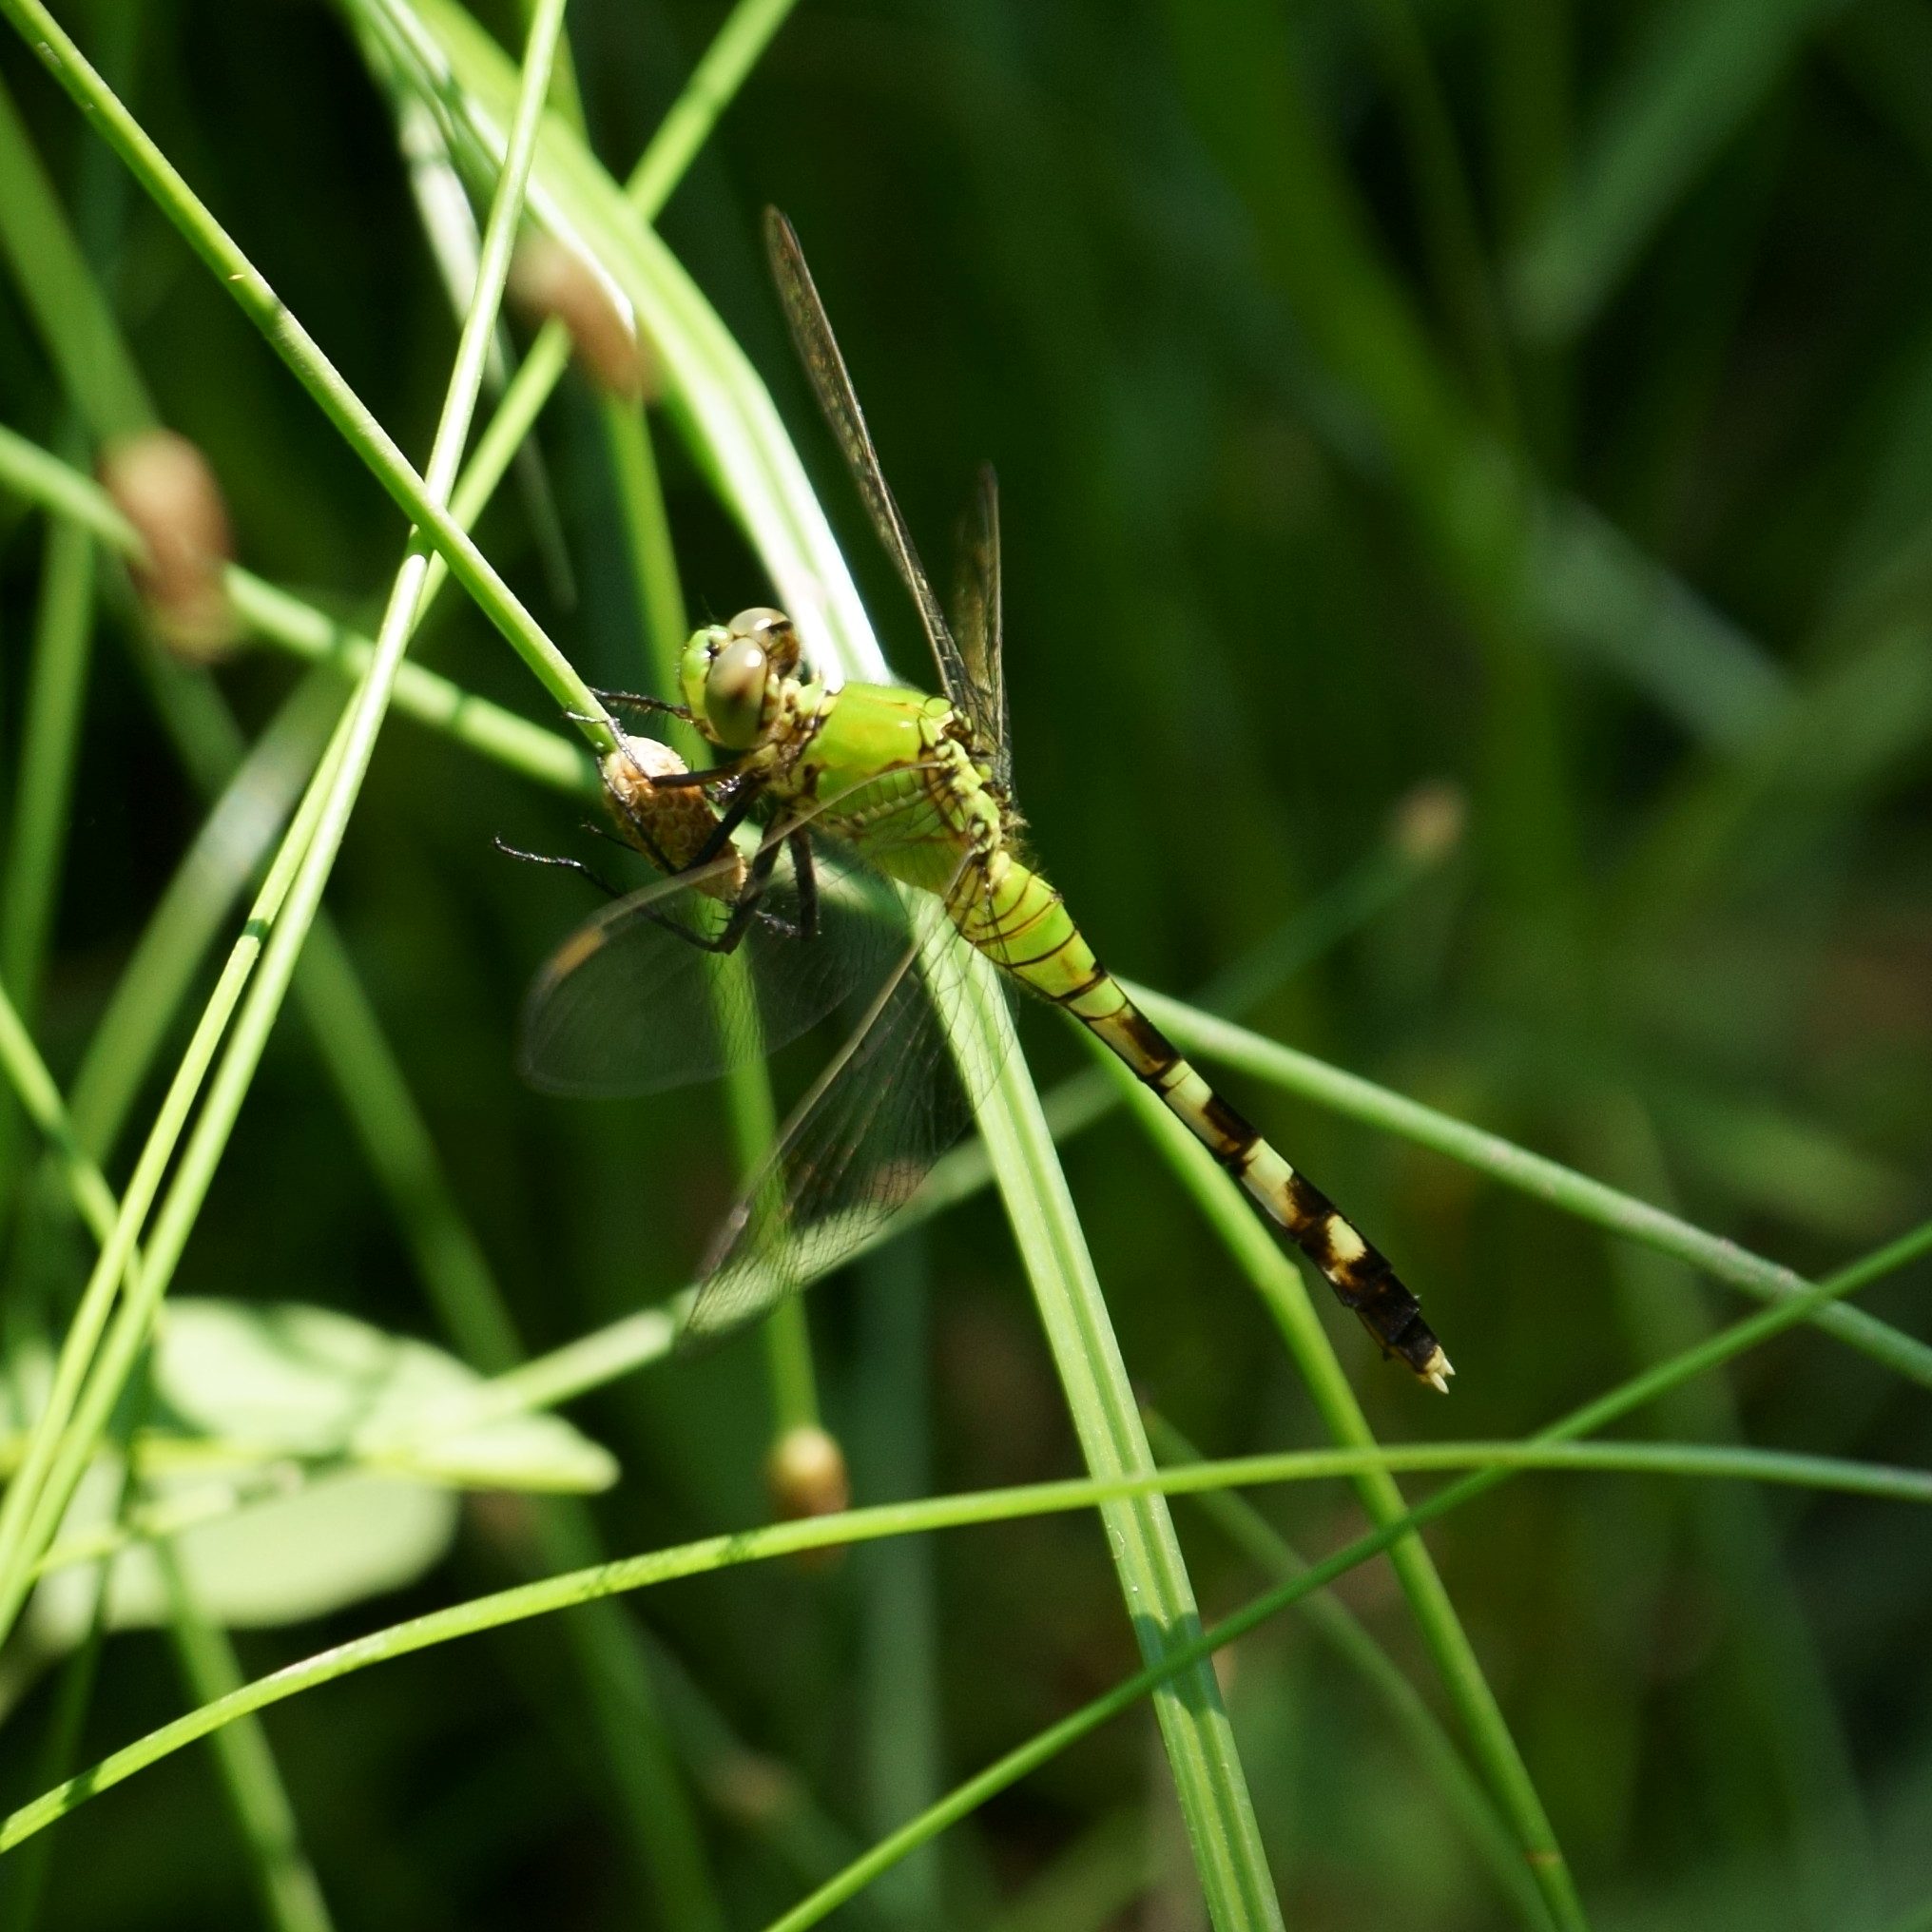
890, 769
859, 732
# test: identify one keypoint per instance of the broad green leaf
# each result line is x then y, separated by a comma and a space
245, 1398
279, 1380
240, 1385
333, 1543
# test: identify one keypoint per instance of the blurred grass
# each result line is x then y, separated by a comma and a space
1528, 395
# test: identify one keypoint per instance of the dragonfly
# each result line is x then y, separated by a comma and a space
887, 860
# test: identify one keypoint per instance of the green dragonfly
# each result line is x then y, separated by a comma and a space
889, 857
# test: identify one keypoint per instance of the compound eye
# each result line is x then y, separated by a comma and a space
734, 691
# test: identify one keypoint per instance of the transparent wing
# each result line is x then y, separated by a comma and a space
976, 613
637, 999
860, 1142
818, 351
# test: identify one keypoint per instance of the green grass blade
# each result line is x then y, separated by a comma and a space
1556, 1448
292, 1897
1259, 1256
1704, 68
1433, 1749
903, 1722
1446, 200
1546, 1180
1212, 1788
69, 312
48, 757
231, 845
739, 44
27, 1875
60, 1446
33, 1087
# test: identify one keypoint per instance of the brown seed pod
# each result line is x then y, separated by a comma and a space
163, 485
1428, 821
806, 1477
548, 278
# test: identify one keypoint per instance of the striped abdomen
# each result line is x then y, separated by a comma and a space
1020, 924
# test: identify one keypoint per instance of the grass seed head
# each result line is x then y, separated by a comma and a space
163, 486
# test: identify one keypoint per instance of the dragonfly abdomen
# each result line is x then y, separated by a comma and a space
1360, 1274
1021, 925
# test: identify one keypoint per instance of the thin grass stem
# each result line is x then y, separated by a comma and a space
1493, 1463
429, 511
283, 619
291, 1894
1259, 1256
1462, 1792
69, 309
1546, 1180
49, 753
231, 845
58, 1450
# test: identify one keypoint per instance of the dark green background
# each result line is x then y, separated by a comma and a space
1535, 397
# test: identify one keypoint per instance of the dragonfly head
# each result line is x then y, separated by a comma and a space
733, 675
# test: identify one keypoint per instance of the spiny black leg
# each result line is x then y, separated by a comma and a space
806, 881
640, 840
683, 780
742, 909
576, 865
728, 821
643, 701
746, 905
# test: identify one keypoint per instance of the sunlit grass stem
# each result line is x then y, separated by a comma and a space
1435, 1750
428, 510
35, 1501
1546, 1180
1493, 1462
1259, 1256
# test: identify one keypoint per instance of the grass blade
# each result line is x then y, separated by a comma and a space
60, 1446
1259, 1255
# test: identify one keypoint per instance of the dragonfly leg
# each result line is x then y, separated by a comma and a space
728, 821
744, 909
643, 701
576, 865
683, 780
805, 882
645, 842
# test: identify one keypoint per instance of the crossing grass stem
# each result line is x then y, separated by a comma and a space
1556, 1448
87, 1383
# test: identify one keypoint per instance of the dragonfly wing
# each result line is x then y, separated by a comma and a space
858, 1146
637, 999
977, 615
818, 351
